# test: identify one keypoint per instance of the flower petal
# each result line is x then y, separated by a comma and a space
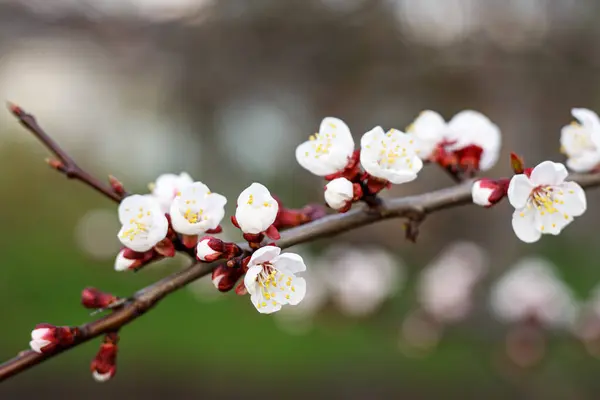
519, 190
523, 223
429, 129
289, 263
298, 290
263, 305
574, 198
371, 136
338, 130
588, 118
585, 162
250, 278
549, 173
264, 254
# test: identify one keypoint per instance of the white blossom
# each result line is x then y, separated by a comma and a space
144, 223
466, 129
361, 279
339, 193
446, 286
256, 209
196, 209
271, 280
580, 141
327, 151
167, 186
391, 156
532, 289
544, 202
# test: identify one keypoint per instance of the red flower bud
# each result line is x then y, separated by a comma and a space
93, 298
225, 278
104, 365
46, 337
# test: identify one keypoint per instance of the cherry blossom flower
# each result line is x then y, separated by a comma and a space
328, 151
339, 193
544, 203
167, 186
445, 287
271, 279
390, 156
144, 223
196, 210
361, 279
256, 209
469, 139
531, 289
580, 141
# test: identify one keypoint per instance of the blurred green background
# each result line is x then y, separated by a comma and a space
225, 90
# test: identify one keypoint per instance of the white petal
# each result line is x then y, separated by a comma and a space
429, 129
297, 295
122, 263
338, 193
250, 278
481, 195
335, 126
519, 190
575, 202
585, 162
307, 159
264, 254
38, 345
548, 173
264, 306
289, 263
523, 223
38, 334
374, 135
101, 377
588, 118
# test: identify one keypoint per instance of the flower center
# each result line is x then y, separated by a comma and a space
271, 280
138, 224
391, 156
544, 199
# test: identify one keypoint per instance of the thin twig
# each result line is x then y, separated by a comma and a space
66, 164
331, 225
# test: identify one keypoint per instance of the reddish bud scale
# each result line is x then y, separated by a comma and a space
253, 239
116, 185
56, 164
225, 278
517, 164
351, 171
240, 289
141, 259
215, 231
289, 218
165, 248
189, 241
461, 162
104, 365
372, 187
93, 298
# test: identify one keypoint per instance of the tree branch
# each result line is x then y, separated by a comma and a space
331, 225
65, 163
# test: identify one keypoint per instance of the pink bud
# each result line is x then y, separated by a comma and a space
104, 365
209, 249
128, 259
487, 192
46, 337
93, 298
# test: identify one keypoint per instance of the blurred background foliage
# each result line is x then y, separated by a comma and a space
225, 90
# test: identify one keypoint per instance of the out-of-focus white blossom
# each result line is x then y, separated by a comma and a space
360, 279
580, 141
445, 287
531, 289
167, 187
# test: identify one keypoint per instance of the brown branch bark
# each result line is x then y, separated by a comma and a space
148, 297
65, 163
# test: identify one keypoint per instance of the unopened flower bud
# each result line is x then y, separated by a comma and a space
487, 192
209, 249
46, 337
104, 365
93, 298
339, 193
116, 185
224, 278
128, 259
